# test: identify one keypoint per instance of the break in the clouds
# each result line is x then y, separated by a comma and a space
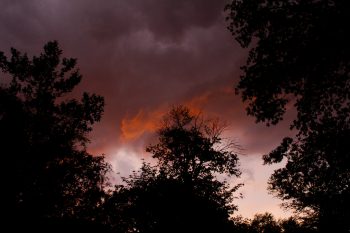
143, 57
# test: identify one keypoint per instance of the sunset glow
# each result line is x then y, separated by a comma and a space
144, 57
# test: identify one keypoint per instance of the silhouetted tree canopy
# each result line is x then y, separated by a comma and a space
43, 135
181, 193
292, 225
299, 54
266, 223
191, 148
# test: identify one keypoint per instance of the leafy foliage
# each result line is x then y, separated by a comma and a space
189, 147
181, 192
44, 135
266, 223
299, 54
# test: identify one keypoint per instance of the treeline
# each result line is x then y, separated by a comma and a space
53, 184
298, 58
267, 223
47, 173
299, 61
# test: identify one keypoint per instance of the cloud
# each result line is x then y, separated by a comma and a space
136, 126
143, 57
170, 20
148, 122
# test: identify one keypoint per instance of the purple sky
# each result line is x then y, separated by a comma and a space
143, 57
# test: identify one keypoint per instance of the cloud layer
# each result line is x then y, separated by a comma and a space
143, 57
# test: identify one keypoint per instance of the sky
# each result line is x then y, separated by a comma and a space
145, 56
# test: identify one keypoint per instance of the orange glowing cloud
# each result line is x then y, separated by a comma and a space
196, 103
136, 126
149, 121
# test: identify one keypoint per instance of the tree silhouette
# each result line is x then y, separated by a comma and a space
189, 147
43, 135
293, 225
299, 53
264, 223
181, 192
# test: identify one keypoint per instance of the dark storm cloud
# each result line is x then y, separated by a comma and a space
171, 19
140, 55
166, 19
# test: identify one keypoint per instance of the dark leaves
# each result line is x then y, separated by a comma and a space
299, 53
43, 139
